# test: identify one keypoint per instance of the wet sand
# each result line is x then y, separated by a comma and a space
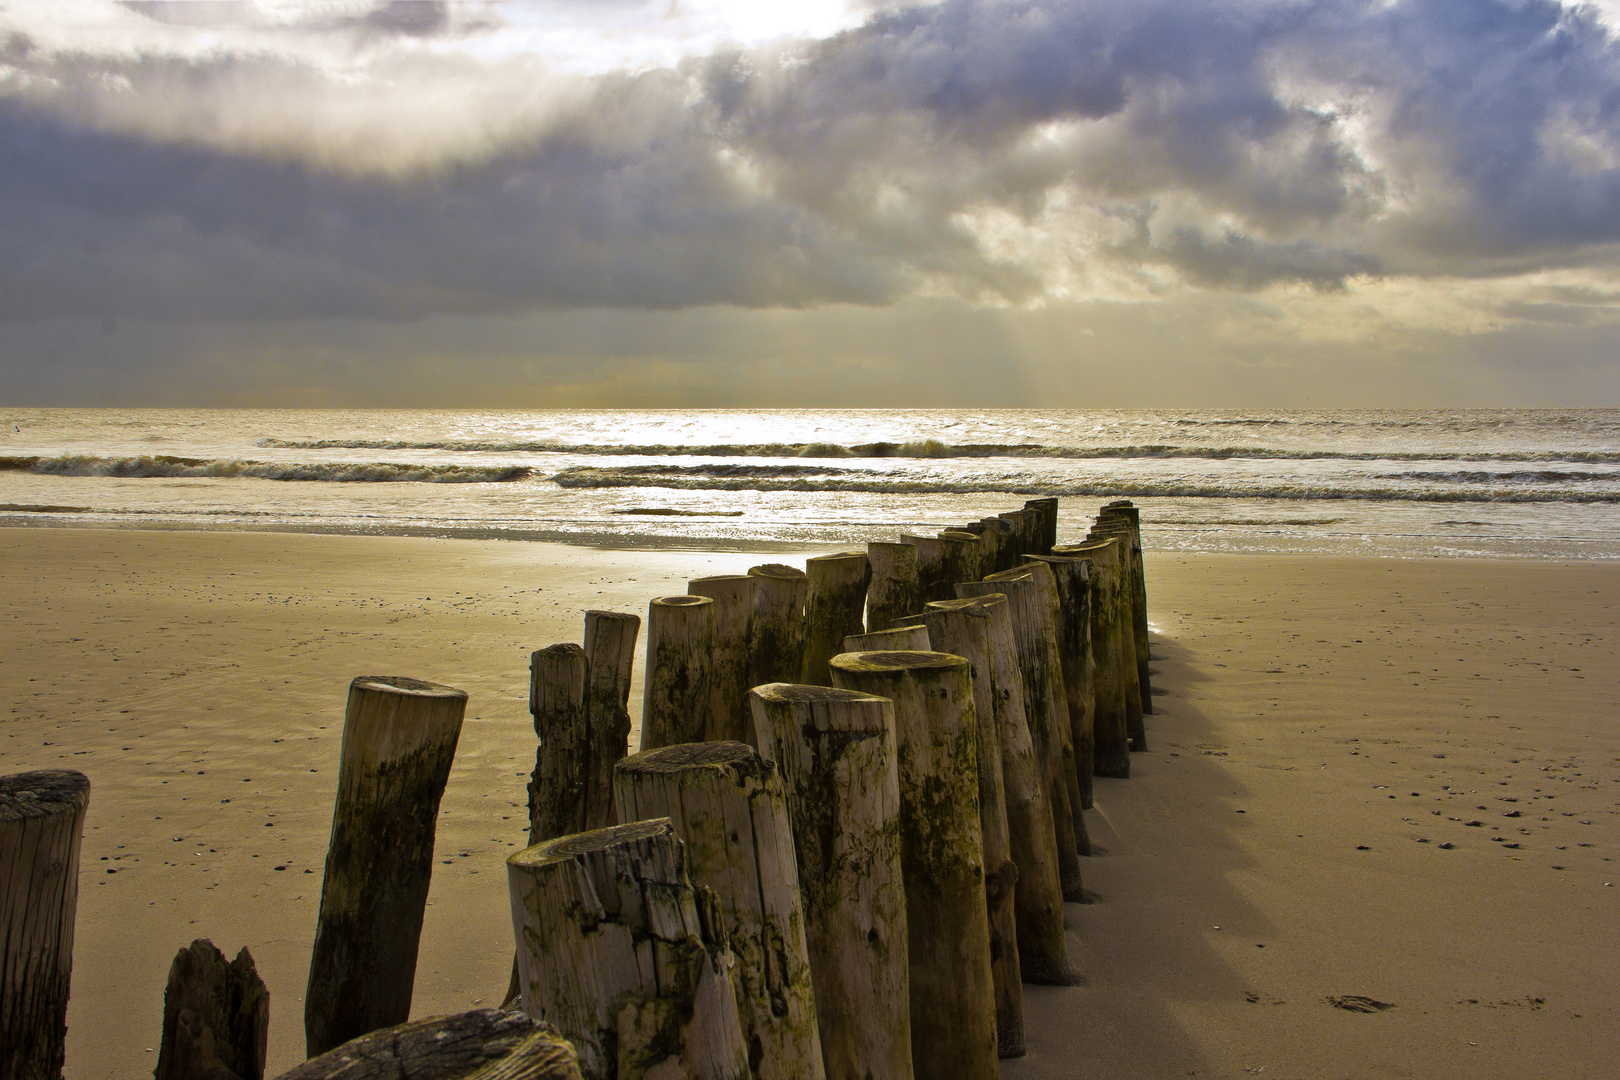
199, 680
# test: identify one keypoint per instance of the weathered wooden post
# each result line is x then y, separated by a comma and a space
610, 650
1025, 533
1120, 530
675, 697
900, 639
894, 590
963, 559
1111, 721
399, 736
1123, 509
620, 953
730, 664
484, 1044
962, 628
1044, 705
216, 1017
933, 575
1046, 511
776, 639
834, 608
557, 678
836, 750
729, 807
1073, 577
41, 824
953, 1007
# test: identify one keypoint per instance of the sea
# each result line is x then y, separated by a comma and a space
1517, 483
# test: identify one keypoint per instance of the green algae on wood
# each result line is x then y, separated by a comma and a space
776, 635
675, 700
894, 589
834, 608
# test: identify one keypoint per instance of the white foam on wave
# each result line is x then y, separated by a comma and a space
163, 465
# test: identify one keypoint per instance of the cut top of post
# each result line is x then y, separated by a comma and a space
739, 758
42, 793
564, 848
405, 686
897, 661
682, 601
810, 694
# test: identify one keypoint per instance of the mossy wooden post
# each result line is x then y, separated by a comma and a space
962, 628
1133, 515
1110, 724
1044, 705
900, 639
675, 693
557, 680
41, 825
216, 1017
964, 561
834, 608
1073, 577
894, 590
776, 637
836, 751
953, 1006
486, 1044
399, 737
1025, 528
729, 807
1046, 511
730, 663
934, 575
620, 954
610, 649
1120, 531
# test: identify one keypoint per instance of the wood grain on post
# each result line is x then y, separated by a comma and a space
934, 576
1133, 515
624, 957
1120, 531
1026, 529
894, 590
557, 678
1110, 725
675, 694
485, 1044
836, 751
610, 648
216, 1017
399, 737
730, 665
729, 807
834, 608
1073, 577
776, 641
900, 639
1047, 512
953, 1006
964, 560
962, 628
41, 825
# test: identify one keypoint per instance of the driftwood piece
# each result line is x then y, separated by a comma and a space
834, 608
900, 639
1046, 511
894, 588
216, 1017
485, 1044
620, 953
557, 679
730, 663
41, 825
776, 637
610, 649
1073, 578
953, 1006
836, 751
399, 736
1110, 724
728, 806
675, 698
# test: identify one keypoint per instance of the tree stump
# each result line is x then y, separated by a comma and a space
610, 648
620, 953
1073, 577
776, 641
1139, 620
675, 699
485, 1044
836, 751
557, 679
216, 1017
900, 639
1046, 511
834, 608
1110, 725
962, 628
894, 590
399, 736
730, 664
1120, 530
41, 825
729, 807
953, 1006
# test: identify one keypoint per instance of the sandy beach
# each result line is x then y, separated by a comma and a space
1325, 726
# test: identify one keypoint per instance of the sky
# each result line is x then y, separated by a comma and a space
833, 203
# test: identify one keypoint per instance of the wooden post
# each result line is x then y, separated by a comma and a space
1120, 530
557, 678
1044, 705
900, 639
399, 736
1110, 727
834, 608
41, 824
962, 628
836, 750
953, 1007
996, 536
1073, 577
620, 953
728, 806
486, 1044
776, 639
610, 650
1046, 511
1125, 511
1025, 529
675, 699
216, 1017
729, 663
934, 577
964, 559
895, 590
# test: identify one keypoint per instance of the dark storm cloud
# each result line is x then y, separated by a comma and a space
989, 151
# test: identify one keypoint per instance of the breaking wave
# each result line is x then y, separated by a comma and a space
163, 465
